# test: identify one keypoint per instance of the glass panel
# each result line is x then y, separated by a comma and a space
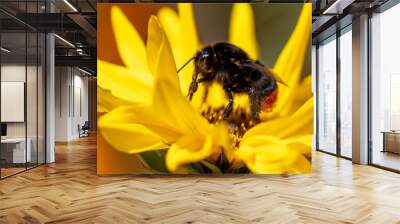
385, 84
327, 96
41, 98
31, 100
13, 91
314, 75
346, 94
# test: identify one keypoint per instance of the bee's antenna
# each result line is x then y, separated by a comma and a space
183, 66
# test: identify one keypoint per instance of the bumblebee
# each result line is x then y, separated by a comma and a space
230, 66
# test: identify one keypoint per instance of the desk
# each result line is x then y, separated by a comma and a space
391, 141
15, 148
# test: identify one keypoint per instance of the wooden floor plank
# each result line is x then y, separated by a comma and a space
70, 191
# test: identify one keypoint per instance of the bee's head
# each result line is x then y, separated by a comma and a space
205, 60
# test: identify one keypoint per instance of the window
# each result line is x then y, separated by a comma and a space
385, 89
346, 92
327, 95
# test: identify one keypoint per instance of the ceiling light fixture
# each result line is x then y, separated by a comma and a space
5, 50
84, 71
337, 7
70, 5
65, 41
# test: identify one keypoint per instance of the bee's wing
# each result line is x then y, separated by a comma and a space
277, 78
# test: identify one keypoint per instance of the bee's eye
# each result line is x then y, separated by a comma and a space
204, 62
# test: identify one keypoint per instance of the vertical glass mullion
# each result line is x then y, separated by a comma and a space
338, 73
26, 87
0, 97
317, 97
37, 89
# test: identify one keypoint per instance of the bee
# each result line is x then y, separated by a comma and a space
231, 66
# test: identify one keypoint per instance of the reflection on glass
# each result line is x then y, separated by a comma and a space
327, 96
22, 91
385, 84
14, 153
346, 94
31, 97
41, 98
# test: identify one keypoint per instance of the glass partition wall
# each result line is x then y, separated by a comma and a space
334, 93
385, 89
22, 77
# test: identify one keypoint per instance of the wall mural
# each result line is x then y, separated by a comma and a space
204, 88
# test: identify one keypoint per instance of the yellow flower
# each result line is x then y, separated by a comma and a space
152, 112
280, 146
164, 119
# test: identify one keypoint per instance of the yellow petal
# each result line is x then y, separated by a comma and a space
216, 96
181, 32
175, 109
160, 56
188, 28
130, 45
190, 148
292, 56
171, 105
128, 130
123, 84
107, 102
289, 64
124, 117
304, 91
242, 29
273, 156
300, 123
169, 19
101, 109
190, 43
302, 144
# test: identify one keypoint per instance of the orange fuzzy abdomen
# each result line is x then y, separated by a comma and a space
268, 101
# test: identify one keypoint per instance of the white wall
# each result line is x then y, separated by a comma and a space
33, 126
12, 73
71, 102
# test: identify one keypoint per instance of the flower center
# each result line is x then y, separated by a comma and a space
239, 122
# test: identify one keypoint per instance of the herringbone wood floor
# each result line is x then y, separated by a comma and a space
69, 191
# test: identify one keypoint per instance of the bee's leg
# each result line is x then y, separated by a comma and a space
205, 93
255, 104
229, 107
193, 85
206, 81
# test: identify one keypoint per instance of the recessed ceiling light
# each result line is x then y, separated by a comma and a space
84, 71
64, 40
70, 5
5, 50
